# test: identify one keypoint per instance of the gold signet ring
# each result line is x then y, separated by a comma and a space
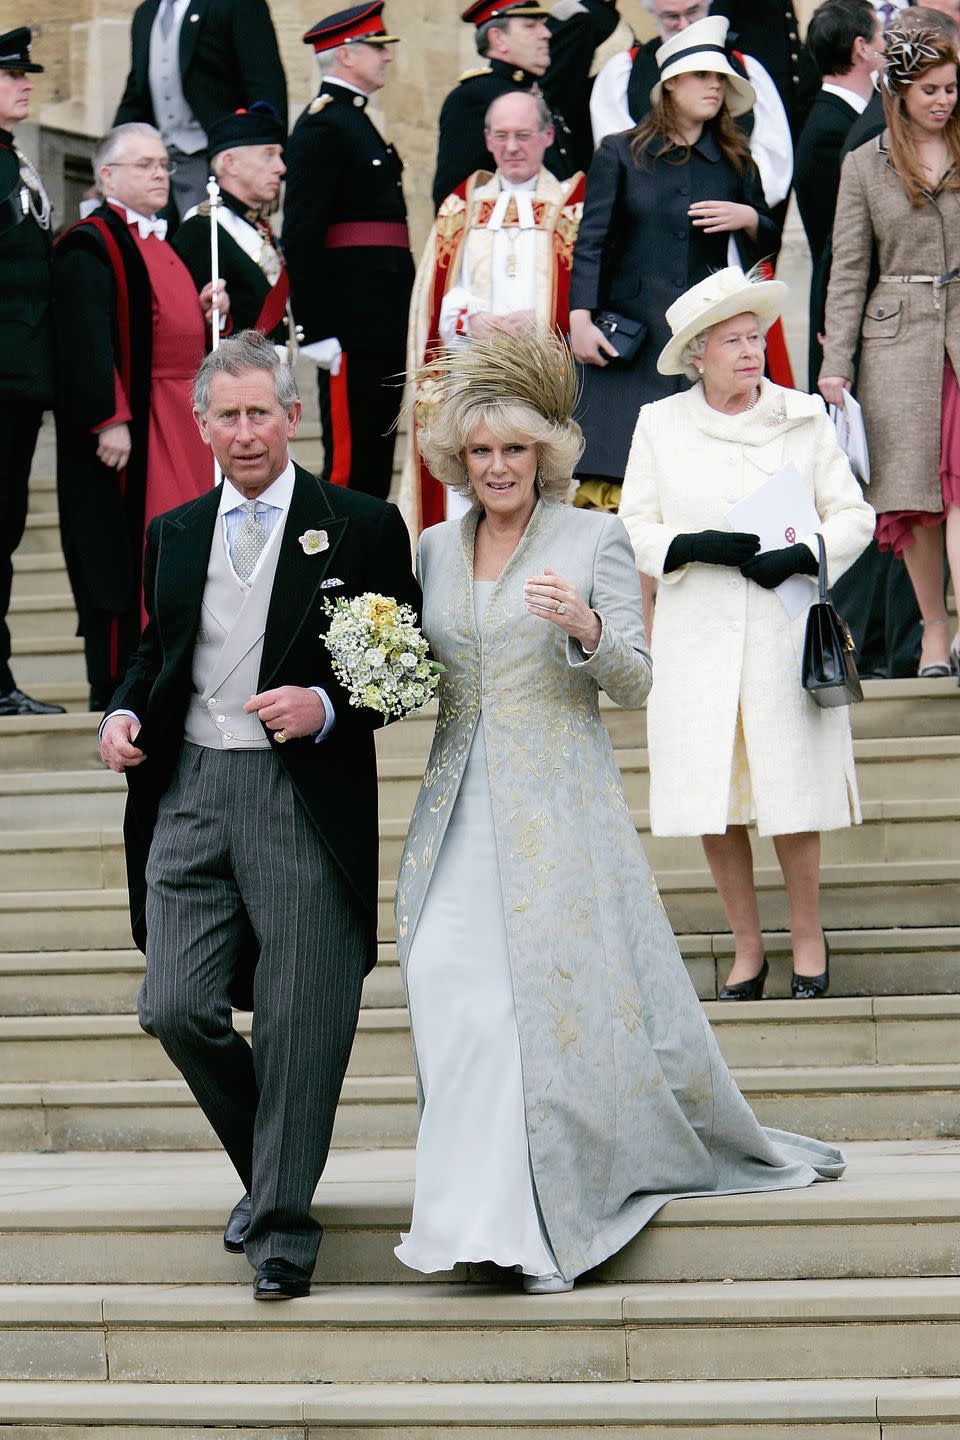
280, 737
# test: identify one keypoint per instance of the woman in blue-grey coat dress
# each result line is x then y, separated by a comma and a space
569, 1081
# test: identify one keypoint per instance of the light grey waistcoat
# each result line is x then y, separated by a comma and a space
176, 122
228, 650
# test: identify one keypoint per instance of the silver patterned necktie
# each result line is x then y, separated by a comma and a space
249, 541
166, 17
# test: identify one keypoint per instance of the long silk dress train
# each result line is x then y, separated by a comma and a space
475, 1197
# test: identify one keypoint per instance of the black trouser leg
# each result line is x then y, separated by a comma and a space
358, 413
19, 426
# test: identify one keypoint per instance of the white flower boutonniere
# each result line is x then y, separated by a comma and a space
313, 542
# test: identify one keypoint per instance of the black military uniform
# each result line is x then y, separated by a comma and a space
768, 30
461, 148
26, 369
251, 264
347, 249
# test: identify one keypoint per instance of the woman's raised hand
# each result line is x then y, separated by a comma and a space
589, 344
559, 601
833, 388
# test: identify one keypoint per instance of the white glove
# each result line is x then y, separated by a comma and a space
325, 354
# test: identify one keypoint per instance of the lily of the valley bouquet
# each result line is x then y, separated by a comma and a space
379, 654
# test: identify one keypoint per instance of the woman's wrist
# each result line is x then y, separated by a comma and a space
589, 639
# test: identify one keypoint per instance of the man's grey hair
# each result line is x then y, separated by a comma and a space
484, 31
544, 117
248, 350
114, 141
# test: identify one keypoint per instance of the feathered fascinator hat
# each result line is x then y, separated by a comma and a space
534, 368
908, 56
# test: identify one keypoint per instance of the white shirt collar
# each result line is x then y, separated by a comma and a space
515, 187
855, 101
335, 80
146, 224
279, 494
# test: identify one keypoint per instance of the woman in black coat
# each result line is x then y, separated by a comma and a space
661, 205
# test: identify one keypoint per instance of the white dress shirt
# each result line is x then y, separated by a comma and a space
855, 101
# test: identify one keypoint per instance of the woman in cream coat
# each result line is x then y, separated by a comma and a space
569, 1082
732, 735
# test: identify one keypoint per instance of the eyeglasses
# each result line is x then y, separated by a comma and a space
503, 137
673, 20
145, 167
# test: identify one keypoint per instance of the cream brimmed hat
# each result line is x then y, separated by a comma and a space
702, 46
721, 296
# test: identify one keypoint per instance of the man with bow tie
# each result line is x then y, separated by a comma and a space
498, 257
251, 825
246, 156
131, 331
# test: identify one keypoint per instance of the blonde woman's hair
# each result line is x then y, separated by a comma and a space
443, 441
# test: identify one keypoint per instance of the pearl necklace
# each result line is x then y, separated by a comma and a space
754, 399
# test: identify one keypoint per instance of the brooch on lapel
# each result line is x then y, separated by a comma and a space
330, 584
777, 415
312, 542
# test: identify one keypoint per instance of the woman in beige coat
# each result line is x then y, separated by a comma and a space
899, 203
732, 735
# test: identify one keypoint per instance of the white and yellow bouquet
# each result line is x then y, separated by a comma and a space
379, 654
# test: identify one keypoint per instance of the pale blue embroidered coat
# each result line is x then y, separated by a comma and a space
628, 1101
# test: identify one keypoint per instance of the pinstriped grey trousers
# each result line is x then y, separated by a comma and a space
231, 836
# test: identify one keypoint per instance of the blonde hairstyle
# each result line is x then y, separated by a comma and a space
910, 56
444, 439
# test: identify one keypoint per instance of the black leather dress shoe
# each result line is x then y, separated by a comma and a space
279, 1280
237, 1226
15, 702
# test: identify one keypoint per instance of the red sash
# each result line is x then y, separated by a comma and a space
274, 305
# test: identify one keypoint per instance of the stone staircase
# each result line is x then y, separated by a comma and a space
826, 1314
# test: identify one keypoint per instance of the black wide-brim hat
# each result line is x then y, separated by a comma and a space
258, 124
361, 24
15, 51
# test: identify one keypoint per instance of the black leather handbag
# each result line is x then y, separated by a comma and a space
828, 671
625, 335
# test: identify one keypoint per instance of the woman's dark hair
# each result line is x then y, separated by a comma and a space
834, 28
661, 126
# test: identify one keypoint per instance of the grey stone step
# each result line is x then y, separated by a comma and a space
835, 1102
832, 1033
868, 963
42, 616
38, 574
478, 1334
56, 660
42, 533
157, 1219
717, 1410
73, 694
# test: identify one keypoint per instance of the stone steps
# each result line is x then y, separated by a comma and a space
896, 710
157, 1219
42, 616
895, 1031
864, 962
41, 535
926, 1409
478, 1334
838, 1102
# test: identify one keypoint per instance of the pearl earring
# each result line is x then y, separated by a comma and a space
700, 369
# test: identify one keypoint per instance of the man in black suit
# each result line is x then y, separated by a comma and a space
193, 61
26, 371
347, 248
545, 49
845, 39
251, 819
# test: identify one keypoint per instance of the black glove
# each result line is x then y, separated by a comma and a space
712, 547
775, 566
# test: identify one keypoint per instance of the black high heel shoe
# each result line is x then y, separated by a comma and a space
747, 989
812, 987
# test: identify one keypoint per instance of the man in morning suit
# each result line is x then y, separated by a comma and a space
246, 156
545, 49
26, 369
193, 61
845, 39
252, 810
347, 249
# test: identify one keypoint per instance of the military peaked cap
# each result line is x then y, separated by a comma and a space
360, 24
15, 51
